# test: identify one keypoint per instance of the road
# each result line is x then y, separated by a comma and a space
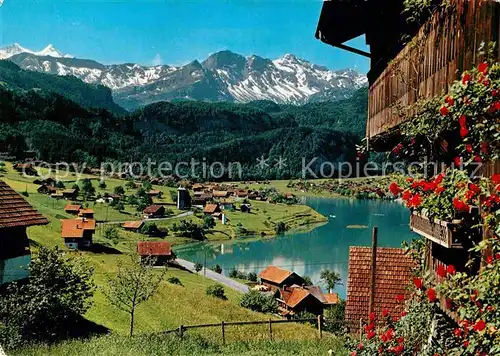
228, 282
187, 213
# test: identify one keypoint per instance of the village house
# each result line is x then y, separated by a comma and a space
16, 215
72, 209
134, 226
47, 189
70, 194
242, 193
219, 194
86, 213
57, 196
153, 193
197, 187
211, 209
77, 233
46, 181
374, 289
274, 278
154, 211
227, 204
25, 168
159, 250
296, 299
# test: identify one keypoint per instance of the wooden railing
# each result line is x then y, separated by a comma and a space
224, 325
445, 46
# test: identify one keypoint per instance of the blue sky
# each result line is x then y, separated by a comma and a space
172, 32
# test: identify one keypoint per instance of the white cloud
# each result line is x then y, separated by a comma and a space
157, 60
1, 2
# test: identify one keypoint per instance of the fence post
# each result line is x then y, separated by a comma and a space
320, 332
270, 329
360, 328
181, 330
223, 333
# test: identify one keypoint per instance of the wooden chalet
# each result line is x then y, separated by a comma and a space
160, 250
154, 193
70, 194
295, 299
86, 213
274, 278
219, 194
374, 286
197, 187
211, 209
133, 225
46, 189
73, 209
26, 168
16, 215
154, 211
78, 233
400, 73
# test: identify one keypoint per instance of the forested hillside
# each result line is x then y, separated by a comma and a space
59, 128
87, 95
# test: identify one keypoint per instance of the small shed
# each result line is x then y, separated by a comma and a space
160, 250
133, 225
70, 193
296, 299
46, 189
211, 209
275, 277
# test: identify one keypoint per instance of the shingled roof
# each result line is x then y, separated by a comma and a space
15, 211
154, 248
275, 274
393, 274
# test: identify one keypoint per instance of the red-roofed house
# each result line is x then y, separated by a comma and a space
161, 250
211, 209
133, 225
392, 275
73, 209
77, 233
295, 299
154, 211
16, 215
274, 277
86, 213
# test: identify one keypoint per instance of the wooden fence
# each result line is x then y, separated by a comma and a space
445, 46
224, 325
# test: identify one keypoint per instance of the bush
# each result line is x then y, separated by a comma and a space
112, 234
332, 313
174, 280
217, 269
50, 304
280, 228
259, 302
252, 277
198, 267
233, 273
217, 291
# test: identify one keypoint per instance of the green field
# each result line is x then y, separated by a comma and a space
173, 305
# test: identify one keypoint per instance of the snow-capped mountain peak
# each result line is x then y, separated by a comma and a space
223, 76
16, 48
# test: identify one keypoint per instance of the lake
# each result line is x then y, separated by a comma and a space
307, 253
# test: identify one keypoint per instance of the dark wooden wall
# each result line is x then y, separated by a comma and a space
446, 45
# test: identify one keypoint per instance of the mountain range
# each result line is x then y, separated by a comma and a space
223, 76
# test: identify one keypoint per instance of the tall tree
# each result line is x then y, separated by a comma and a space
133, 284
330, 279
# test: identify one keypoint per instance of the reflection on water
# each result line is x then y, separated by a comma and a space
308, 253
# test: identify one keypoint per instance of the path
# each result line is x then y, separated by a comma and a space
240, 287
187, 213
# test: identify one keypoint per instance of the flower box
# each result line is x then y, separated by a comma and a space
455, 234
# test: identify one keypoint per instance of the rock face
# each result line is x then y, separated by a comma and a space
223, 76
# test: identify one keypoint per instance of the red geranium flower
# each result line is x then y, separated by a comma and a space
475, 188
464, 131
484, 147
373, 316
371, 335
478, 158
458, 161
482, 68
360, 346
448, 303
457, 332
418, 282
462, 121
415, 201
460, 206
404, 313
468, 148
406, 195
449, 100
400, 297
439, 190
490, 259
354, 353
444, 110
431, 295
495, 178
451, 269
395, 189
479, 326
369, 327
441, 271
494, 92
385, 312
466, 78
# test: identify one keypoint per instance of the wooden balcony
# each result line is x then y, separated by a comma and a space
444, 47
441, 232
